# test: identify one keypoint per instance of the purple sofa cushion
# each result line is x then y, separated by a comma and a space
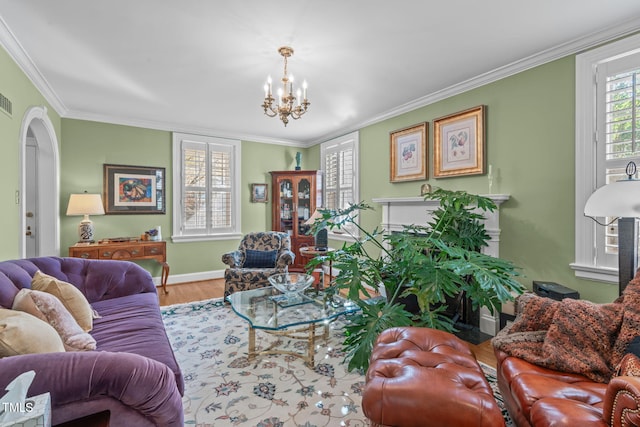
97, 279
133, 324
141, 384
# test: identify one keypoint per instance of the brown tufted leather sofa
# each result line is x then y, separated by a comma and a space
425, 377
542, 396
537, 396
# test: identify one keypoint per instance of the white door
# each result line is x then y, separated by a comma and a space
31, 198
39, 186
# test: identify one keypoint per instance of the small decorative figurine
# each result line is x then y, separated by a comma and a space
298, 160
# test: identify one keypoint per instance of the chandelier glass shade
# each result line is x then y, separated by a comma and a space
286, 105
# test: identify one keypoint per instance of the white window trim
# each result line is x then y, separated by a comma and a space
585, 162
355, 137
178, 175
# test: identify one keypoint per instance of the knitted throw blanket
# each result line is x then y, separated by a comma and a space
573, 336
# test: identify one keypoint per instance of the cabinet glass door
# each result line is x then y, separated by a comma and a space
286, 206
304, 210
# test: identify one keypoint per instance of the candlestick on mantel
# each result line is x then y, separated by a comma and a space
490, 178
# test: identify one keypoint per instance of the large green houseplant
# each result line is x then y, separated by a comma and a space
431, 262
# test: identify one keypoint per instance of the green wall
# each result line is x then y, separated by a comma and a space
88, 145
16, 86
530, 144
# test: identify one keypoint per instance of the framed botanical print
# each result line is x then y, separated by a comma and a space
409, 153
459, 144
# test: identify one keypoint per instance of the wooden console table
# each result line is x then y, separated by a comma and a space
126, 250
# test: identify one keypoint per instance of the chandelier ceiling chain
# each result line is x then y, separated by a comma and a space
286, 105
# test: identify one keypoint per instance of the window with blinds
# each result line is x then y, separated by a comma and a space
339, 159
220, 193
339, 177
621, 120
607, 137
206, 186
621, 136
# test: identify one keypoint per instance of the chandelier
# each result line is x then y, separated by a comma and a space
285, 105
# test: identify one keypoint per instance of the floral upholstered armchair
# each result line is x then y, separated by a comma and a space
259, 255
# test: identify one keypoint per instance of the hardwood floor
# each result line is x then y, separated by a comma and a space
198, 291
484, 353
192, 291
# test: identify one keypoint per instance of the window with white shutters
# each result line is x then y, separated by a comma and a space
607, 138
206, 190
621, 134
339, 160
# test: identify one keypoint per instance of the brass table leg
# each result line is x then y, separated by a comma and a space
252, 343
312, 345
308, 333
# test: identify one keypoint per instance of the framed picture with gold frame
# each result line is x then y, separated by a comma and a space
259, 193
409, 153
459, 143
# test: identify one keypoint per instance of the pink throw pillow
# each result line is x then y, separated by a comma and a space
49, 308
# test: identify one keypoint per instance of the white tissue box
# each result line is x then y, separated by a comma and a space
34, 412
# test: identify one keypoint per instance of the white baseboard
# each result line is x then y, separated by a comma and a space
191, 277
488, 322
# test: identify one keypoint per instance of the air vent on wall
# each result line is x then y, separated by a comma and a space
5, 105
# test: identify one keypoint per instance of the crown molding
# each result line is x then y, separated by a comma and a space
177, 127
15, 50
569, 48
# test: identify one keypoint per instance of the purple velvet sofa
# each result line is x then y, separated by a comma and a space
133, 372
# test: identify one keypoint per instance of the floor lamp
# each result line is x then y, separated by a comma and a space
620, 199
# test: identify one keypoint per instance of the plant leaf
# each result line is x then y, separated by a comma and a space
364, 328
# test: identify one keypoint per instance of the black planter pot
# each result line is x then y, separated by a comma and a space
410, 303
455, 306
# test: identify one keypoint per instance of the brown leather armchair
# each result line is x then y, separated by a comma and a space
569, 362
537, 396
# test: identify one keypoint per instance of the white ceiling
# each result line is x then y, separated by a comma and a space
200, 66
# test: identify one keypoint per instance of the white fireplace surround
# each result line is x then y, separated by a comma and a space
398, 212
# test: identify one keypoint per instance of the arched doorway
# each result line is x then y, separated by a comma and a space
39, 185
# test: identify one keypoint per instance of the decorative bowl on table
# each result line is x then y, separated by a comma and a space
291, 284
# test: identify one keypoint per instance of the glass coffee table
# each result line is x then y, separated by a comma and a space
267, 309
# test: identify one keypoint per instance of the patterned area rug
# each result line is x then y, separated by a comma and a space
490, 374
222, 388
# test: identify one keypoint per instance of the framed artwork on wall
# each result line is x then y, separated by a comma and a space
133, 189
409, 153
458, 143
259, 193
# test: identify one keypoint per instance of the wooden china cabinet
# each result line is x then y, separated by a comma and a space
296, 195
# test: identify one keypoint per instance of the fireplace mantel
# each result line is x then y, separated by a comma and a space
398, 212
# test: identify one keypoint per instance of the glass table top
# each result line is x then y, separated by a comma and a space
267, 308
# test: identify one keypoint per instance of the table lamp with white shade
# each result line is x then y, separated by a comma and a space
621, 200
85, 204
